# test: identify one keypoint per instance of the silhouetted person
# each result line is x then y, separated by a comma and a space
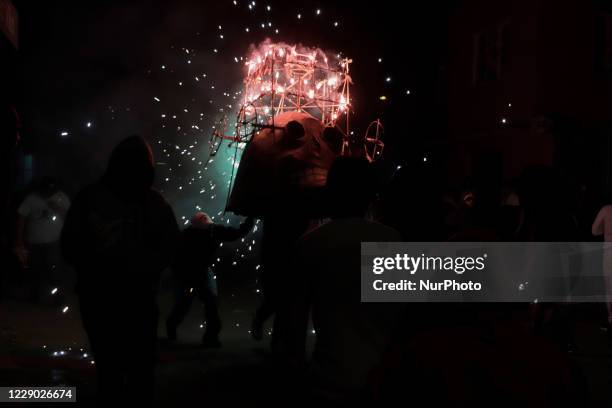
119, 235
546, 217
468, 354
282, 226
280, 232
193, 276
326, 280
40, 218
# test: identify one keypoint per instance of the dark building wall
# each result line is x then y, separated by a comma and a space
557, 76
547, 64
494, 114
568, 77
575, 89
21, 166
8, 48
480, 104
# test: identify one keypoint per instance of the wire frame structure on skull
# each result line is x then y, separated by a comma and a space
283, 78
291, 78
246, 124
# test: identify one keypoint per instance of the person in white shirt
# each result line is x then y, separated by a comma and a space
40, 218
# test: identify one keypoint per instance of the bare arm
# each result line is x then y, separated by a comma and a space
598, 224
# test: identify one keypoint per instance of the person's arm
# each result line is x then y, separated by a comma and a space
223, 233
598, 224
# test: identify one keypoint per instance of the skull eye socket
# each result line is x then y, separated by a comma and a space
295, 130
333, 138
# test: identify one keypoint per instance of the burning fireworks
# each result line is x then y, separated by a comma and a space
293, 78
282, 78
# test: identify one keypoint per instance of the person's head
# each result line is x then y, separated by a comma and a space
130, 170
350, 187
9, 127
47, 187
200, 220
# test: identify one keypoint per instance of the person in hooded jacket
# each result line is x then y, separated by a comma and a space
119, 235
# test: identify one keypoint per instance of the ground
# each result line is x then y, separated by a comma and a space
238, 374
30, 334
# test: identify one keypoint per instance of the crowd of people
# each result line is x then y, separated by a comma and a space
119, 234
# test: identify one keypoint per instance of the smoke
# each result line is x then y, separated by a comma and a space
328, 58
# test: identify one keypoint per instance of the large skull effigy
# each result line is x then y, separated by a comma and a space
283, 165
